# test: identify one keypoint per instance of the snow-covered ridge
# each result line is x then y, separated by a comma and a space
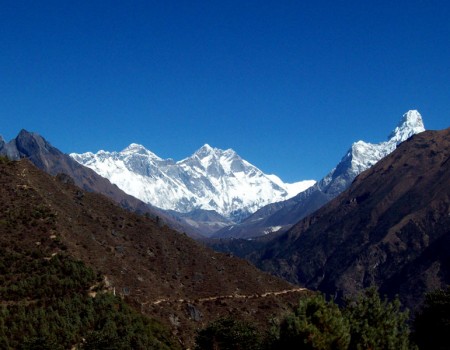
362, 155
210, 179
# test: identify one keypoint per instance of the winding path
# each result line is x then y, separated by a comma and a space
230, 296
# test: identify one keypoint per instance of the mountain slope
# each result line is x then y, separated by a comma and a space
48, 158
210, 179
161, 272
390, 228
361, 156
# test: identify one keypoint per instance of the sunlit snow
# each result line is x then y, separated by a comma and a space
210, 179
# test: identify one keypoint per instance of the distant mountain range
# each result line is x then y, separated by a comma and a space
280, 216
213, 192
210, 179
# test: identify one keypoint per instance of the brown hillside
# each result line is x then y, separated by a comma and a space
391, 228
161, 272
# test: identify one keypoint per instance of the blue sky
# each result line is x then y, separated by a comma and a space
288, 84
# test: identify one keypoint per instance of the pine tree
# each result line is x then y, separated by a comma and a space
376, 323
315, 324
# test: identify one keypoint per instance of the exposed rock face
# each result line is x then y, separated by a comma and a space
390, 228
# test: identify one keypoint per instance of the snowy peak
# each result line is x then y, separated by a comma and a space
205, 151
410, 124
413, 118
209, 152
135, 148
368, 153
362, 155
219, 162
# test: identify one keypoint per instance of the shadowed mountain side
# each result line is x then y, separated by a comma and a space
48, 158
391, 228
159, 271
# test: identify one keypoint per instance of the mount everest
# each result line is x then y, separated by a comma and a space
210, 179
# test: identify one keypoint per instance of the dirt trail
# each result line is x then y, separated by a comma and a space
231, 296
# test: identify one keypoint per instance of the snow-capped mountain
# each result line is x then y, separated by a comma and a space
210, 179
361, 156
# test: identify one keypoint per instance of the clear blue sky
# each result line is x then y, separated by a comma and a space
288, 84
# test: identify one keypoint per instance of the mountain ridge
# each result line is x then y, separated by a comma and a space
209, 179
